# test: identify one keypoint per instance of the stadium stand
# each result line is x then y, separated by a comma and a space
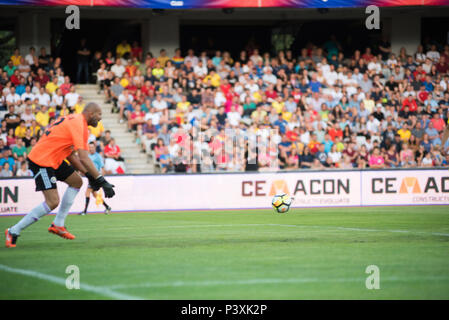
320, 109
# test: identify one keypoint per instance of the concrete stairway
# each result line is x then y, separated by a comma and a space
135, 161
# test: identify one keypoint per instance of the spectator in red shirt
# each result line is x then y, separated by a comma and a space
410, 102
65, 87
137, 118
442, 66
419, 70
438, 123
136, 51
367, 56
271, 93
41, 77
147, 88
423, 95
113, 151
15, 78
336, 131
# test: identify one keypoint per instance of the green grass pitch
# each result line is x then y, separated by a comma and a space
241, 254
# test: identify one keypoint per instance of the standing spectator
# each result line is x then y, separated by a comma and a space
44, 59
136, 51
82, 55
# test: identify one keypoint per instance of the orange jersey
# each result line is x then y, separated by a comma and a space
67, 134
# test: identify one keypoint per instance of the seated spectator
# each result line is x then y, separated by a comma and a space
392, 157
376, 160
406, 157
148, 135
23, 171
114, 163
136, 118
19, 150
306, 159
6, 171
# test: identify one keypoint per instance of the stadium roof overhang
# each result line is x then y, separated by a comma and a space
209, 4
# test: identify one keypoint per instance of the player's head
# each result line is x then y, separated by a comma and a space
92, 113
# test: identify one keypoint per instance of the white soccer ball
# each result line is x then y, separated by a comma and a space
281, 202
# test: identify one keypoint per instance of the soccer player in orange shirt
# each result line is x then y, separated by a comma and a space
66, 139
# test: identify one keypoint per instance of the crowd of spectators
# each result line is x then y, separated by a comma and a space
310, 109
198, 112
34, 92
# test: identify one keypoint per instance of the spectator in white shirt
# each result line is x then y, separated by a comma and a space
234, 117
159, 104
13, 98
192, 58
44, 97
268, 76
373, 125
433, 54
124, 101
28, 116
71, 98
118, 69
58, 99
200, 70
375, 66
27, 94
30, 57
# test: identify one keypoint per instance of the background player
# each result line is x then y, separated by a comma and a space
98, 162
66, 139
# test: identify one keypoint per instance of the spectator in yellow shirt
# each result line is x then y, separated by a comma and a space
52, 86
162, 59
16, 57
183, 105
34, 128
157, 71
278, 105
21, 129
123, 48
213, 77
43, 117
125, 81
64, 111
404, 132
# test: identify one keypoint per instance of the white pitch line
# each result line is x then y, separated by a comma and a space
270, 225
83, 286
207, 283
364, 230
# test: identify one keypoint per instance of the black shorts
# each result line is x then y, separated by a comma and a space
46, 177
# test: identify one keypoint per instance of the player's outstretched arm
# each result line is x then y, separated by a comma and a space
96, 180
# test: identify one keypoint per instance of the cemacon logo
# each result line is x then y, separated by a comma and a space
409, 185
262, 188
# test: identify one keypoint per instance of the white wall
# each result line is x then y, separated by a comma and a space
33, 29
405, 32
161, 32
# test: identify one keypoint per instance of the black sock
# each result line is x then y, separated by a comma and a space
105, 204
87, 204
